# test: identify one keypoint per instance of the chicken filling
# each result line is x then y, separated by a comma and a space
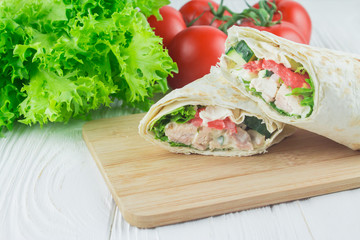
277, 88
206, 138
213, 128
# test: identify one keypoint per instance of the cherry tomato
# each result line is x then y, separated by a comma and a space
195, 50
289, 77
193, 9
296, 14
223, 124
293, 12
284, 29
171, 24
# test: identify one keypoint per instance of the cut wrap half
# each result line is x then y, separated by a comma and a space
312, 88
211, 117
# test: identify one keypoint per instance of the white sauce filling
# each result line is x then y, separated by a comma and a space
212, 113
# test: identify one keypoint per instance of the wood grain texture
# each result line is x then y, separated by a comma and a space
281, 221
154, 187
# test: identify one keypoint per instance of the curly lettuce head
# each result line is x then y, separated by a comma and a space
62, 59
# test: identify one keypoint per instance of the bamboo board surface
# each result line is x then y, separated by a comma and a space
153, 187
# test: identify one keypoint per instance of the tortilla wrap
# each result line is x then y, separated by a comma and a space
335, 76
212, 90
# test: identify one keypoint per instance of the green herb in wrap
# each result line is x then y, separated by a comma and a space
257, 125
62, 59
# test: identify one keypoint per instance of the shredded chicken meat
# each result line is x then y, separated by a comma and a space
204, 138
273, 90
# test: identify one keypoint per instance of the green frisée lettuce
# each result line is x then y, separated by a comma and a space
180, 115
60, 59
10, 98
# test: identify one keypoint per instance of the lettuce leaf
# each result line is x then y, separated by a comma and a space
59, 98
257, 125
60, 59
10, 97
150, 7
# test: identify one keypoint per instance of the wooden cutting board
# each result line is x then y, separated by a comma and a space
153, 187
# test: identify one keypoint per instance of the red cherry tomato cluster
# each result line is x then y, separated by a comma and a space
195, 34
194, 48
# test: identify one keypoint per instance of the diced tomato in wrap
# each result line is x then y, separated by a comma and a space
290, 78
197, 121
217, 124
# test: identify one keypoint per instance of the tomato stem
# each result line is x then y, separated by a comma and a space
212, 9
262, 16
195, 19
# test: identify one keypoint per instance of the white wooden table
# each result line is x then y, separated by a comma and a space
50, 187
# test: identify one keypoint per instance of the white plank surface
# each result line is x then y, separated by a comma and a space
50, 187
